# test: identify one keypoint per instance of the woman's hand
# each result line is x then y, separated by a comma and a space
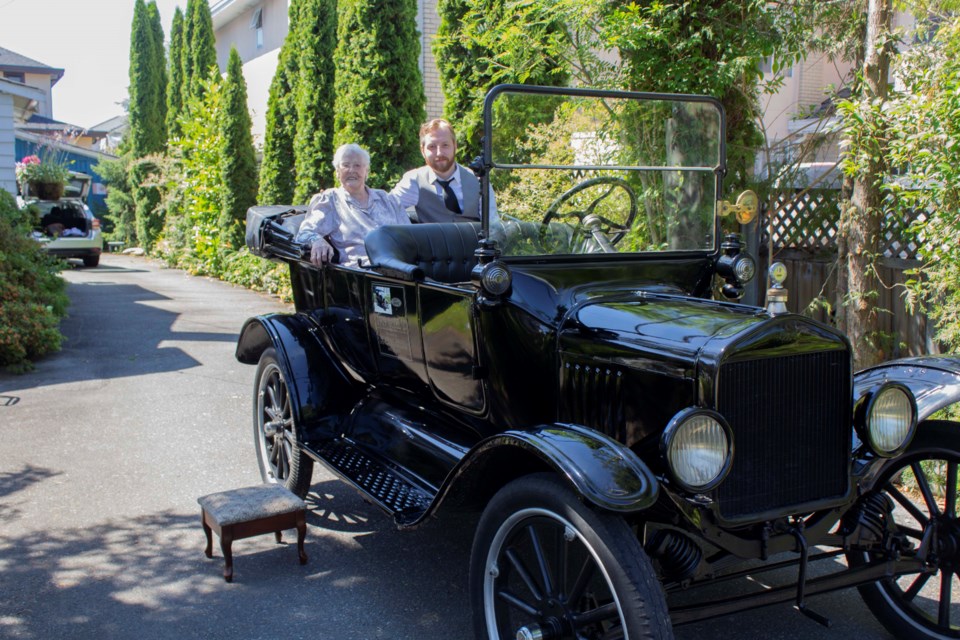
321, 252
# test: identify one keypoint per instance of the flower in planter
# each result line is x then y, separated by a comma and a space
34, 170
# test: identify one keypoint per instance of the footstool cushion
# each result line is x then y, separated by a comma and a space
249, 511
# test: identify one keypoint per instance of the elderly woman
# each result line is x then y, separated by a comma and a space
347, 213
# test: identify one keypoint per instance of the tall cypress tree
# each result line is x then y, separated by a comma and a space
199, 51
159, 93
238, 162
379, 89
146, 120
147, 127
175, 76
277, 170
313, 142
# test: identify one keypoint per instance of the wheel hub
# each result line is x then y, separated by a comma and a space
948, 543
549, 630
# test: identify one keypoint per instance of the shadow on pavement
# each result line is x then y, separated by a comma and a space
147, 577
112, 331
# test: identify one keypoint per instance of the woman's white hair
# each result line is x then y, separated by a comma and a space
350, 148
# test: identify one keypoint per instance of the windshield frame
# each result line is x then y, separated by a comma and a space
486, 161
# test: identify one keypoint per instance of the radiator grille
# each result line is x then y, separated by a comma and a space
790, 418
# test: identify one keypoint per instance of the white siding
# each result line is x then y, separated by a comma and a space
259, 74
8, 179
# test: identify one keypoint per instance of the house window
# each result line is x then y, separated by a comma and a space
766, 66
16, 76
256, 23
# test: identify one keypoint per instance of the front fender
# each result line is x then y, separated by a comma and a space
320, 391
934, 381
600, 469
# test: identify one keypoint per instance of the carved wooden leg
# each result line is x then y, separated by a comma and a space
301, 534
206, 529
279, 536
226, 539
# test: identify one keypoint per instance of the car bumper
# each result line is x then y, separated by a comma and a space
75, 247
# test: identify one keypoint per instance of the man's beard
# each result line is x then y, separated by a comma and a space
441, 165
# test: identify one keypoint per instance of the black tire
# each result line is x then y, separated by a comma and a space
543, 561
933, 611
275, 434
91, 261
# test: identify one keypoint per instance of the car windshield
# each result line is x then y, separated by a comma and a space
597, 172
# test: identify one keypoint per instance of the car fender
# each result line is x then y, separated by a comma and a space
320, 391
601, 470
933, 380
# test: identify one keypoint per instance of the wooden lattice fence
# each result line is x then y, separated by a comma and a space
801, 229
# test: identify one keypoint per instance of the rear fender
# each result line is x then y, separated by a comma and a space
601, 470
320, 391
934, 381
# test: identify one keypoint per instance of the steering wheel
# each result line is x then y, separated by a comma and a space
591, 222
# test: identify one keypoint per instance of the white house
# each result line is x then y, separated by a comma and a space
18, 102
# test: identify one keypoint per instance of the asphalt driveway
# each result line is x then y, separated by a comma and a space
106, 446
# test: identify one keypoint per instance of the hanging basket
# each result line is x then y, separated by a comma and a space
47, 190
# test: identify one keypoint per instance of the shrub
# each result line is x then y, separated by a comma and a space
32, 298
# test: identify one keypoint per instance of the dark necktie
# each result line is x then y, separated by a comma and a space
449, 197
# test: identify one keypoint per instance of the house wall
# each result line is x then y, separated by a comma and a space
428, 21
259, 74
8, 177
803, 91
238, 33
41, 81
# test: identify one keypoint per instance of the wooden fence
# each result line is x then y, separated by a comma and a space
802, 228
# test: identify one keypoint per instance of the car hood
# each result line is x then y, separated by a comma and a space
688, 331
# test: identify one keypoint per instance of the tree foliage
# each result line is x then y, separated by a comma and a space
923, 128
314, 97
379, 89
175, 75
160, 60
146, 199
147, 133
193, 184
199, 53
120, 204
278, 177
481, 43
147, 129
238, 161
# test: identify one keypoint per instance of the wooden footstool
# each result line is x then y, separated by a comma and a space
251, 511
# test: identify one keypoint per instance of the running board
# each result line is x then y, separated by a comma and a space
405, 501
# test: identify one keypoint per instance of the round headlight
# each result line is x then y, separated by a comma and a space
890, 420
698, 449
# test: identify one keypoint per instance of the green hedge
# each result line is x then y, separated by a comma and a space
32, 293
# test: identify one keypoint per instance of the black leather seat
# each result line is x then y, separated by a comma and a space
443, 252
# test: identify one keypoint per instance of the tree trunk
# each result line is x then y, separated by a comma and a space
859, 245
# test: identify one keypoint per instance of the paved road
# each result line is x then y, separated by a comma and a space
105, 447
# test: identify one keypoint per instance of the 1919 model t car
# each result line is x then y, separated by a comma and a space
581, 372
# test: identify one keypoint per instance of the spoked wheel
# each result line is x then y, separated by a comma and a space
922, 485
614, 223
546, 566
280, 457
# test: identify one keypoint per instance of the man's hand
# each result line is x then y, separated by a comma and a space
321, 252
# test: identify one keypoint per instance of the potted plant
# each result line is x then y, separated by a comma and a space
45, 178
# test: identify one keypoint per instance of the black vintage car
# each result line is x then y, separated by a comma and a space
579, 369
